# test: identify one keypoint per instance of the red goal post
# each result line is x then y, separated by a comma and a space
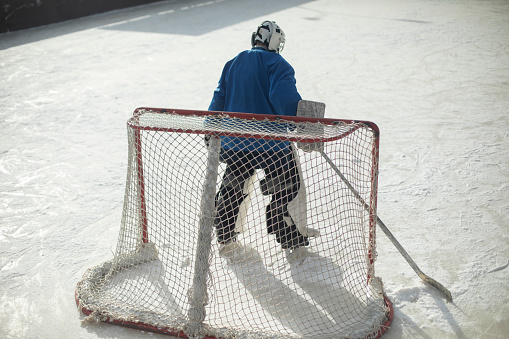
166, 240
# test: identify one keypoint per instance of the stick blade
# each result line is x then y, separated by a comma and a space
438, 286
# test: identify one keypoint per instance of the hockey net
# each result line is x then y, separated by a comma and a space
170, 275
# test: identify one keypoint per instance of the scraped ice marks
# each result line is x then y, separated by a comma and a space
236, 253
308, 267
407, 295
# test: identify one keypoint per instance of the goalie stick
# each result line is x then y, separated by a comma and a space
318, 110
427, 279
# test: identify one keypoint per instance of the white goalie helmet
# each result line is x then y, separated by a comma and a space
271, 35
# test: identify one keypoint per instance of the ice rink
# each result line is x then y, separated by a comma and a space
433, 75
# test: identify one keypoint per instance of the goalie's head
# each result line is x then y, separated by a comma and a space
270, 35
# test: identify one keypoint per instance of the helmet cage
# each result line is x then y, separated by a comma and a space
271, 35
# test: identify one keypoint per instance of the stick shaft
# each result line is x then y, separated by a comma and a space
430, 281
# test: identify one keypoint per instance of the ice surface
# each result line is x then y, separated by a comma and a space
434, 76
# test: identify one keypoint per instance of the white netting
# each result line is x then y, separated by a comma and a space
298, 251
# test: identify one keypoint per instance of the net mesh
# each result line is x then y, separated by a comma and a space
239, 225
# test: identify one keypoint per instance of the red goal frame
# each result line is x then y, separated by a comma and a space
133, 124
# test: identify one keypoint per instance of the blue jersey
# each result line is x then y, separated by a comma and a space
256, 81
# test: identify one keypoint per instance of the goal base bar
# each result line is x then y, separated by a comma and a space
180, 334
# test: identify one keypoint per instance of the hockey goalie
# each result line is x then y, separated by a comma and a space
261, 81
